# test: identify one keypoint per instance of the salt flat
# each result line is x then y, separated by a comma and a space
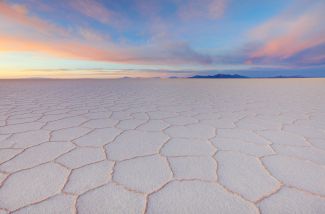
162, 146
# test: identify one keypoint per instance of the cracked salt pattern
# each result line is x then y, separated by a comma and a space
162, 146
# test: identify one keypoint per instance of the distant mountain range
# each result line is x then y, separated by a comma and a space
296, 76
219, 76
236, 76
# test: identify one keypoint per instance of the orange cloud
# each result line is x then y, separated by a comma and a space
170, 54
32, 34
80, 74
68, 49
44, 37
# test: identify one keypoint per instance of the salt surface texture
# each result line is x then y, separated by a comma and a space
162, 146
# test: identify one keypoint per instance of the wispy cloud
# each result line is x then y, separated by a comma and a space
19, 14
88, 44
92, 35
96, 10
291, 33
161, 33
210, 9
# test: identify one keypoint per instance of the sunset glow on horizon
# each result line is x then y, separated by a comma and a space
161, 38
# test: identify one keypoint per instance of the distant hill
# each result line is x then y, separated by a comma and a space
219, 76
237, 76
296, 76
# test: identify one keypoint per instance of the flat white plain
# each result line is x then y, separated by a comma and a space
162, 146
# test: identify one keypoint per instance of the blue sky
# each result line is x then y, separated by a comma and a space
142, 38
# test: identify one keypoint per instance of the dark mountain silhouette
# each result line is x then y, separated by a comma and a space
296, 76
219, 76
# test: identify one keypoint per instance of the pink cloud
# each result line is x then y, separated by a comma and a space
97, 11
288, 34
19, 14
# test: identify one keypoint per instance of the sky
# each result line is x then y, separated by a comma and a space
161, 38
